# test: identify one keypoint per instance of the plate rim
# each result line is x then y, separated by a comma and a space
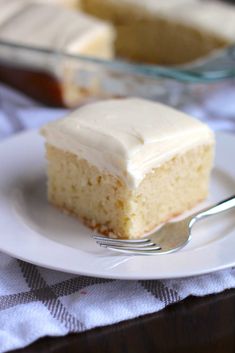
30, 133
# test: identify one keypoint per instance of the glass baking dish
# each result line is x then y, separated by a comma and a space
63, 80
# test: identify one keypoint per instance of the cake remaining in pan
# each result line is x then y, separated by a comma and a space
166, 32
60, 30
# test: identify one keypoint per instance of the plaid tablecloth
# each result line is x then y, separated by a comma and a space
36, 302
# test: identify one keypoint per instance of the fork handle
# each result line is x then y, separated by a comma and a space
215, 209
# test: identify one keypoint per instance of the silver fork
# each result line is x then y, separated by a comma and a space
169, 238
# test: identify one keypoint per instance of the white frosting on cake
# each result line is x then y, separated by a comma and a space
9, 8
50, 26
127, 137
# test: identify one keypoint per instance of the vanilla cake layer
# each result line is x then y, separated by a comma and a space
166, 32
125, 166
106, 204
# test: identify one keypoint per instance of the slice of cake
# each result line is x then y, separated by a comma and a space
166, 32
48, 26
125, 166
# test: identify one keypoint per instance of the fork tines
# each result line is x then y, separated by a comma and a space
137, 246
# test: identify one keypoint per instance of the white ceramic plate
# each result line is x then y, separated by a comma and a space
34, 231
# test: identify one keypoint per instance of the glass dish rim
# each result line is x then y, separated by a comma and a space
189, 73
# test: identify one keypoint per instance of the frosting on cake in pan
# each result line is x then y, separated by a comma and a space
50, 26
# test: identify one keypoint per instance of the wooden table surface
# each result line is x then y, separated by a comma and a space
200, 325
